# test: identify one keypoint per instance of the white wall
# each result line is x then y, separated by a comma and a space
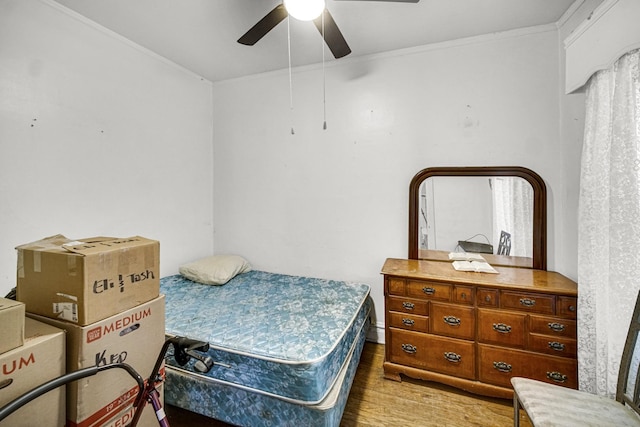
98, 137
333, 203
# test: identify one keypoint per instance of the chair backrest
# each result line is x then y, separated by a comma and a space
628, 379
504, 246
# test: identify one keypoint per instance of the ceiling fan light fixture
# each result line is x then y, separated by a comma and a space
304, 10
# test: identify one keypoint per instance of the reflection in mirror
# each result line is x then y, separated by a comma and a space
498, 211
456, 210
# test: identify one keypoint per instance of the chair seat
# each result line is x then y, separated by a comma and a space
549, 405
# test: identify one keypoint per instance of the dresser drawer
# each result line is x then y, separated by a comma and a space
487, 297
453, 320
503, 328
567, 306
409, 322
497, 366
535, 303
556, 346
451, 356
444, 355
408, 348
429, 290
407, 305
395, 286
463, 295
552, 326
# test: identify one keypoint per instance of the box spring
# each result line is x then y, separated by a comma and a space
240, 406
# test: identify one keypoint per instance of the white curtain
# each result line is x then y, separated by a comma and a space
513, 213
609, 222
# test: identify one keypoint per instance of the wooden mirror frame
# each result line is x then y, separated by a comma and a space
539, 236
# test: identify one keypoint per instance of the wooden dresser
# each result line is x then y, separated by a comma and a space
475, 331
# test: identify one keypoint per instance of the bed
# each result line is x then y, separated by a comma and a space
286, 347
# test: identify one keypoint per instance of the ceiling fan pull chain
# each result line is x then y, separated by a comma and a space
290, 79
324, 81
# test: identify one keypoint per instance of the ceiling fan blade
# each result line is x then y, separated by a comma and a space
332, 35
389, 1
264, 25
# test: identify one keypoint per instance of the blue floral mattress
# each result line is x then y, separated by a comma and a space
286, 336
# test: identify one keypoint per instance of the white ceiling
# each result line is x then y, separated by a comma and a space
201, 35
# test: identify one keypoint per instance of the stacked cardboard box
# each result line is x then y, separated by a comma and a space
135, 337
12, 321
88, 280
104, 292
31, 353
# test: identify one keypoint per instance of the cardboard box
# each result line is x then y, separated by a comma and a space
89, 280
134, 337
12, 321
40, 359
148, 418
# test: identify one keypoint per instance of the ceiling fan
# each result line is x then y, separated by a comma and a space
330, 32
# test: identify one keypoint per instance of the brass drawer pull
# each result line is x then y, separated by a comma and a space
408, 305
409, 348
556, 327
527, 302
452, 357
502, 366
451, 320
408, 322
502, 328
429, 291
557, 346
557, 377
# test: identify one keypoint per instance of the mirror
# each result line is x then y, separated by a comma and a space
497, 211
628, 386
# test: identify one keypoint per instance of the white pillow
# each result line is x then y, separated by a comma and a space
215, 270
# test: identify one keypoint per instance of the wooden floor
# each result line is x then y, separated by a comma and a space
375, 401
